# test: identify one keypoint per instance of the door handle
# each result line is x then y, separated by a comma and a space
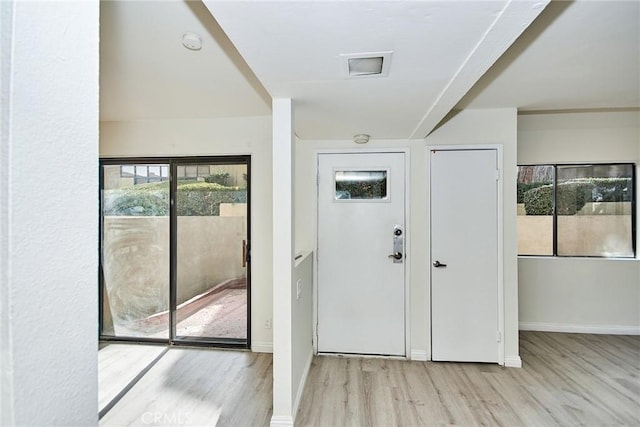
398, 244
438, 264
244, 253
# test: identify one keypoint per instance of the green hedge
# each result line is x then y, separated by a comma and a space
573, 195
206, 202
539, 200
193, 199
221, 178
523, 188
135, 203
363, 189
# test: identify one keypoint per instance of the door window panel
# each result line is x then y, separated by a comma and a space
361, 185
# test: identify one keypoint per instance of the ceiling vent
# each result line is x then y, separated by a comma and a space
371, 64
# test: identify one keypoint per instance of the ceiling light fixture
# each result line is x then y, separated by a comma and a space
361, 138
192, 41
365, 66
371, 64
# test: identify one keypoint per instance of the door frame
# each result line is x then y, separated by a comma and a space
500, 218
407, 243
173, 162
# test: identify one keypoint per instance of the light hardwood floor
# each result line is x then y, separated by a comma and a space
199, 387
566, 379
118, 365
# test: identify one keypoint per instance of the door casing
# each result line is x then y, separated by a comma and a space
407, 234
500, 213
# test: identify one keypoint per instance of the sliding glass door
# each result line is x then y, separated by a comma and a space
211, 233
174, 256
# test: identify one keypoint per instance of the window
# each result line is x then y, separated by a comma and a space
577, 210
193, 172
144, 174
361, 185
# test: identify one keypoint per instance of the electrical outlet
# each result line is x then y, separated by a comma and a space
267, 324
298, 288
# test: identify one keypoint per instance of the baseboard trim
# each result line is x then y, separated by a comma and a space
419, 355
513, 362
281, 421
262, 347
580, 329
303, 381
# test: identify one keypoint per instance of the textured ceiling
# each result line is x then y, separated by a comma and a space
576, 55
146, 73
446, 54
440, 49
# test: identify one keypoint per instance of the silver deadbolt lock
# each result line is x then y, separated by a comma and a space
398, 245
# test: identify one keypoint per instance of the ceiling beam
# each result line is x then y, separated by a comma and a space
514, 18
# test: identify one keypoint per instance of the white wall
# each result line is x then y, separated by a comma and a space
302, 328
283, 263
213, 137
572, 294
49, 215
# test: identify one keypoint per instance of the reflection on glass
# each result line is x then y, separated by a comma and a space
127, 171
191, 171
135, 252
535, 210
361, 185
594, 210
211, 272
154, 171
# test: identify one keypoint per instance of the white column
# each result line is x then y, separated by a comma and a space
283, 265
49, 213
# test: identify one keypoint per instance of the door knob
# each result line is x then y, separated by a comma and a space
438, 264
396, 255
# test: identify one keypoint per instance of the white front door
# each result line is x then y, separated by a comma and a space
464, 255
361, 284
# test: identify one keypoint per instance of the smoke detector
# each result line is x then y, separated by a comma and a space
361, 138
191, 41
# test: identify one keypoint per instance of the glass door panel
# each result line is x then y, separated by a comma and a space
135, 251
211, 253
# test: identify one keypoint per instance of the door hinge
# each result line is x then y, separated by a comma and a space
497, 174
498, 336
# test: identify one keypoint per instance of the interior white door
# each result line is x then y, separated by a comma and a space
464, 255
361, 285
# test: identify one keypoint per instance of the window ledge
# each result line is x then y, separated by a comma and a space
576, 258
